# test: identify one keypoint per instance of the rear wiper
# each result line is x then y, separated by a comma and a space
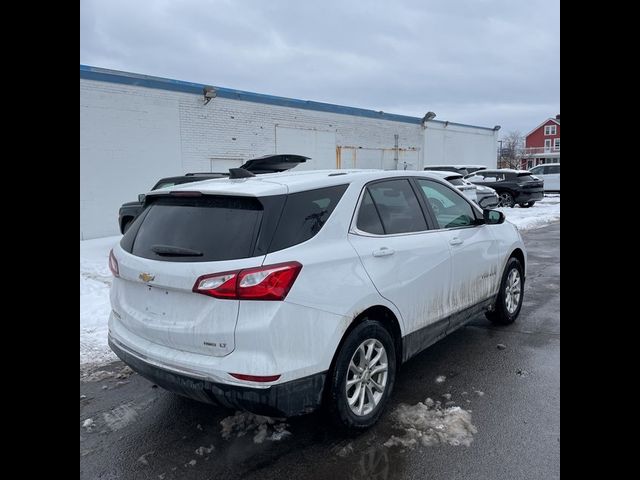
171, 251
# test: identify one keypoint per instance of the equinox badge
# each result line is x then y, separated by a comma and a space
145, 277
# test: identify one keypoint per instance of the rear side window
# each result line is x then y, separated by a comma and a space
397, 207
368, 218
553, 169
304, 214
196, 229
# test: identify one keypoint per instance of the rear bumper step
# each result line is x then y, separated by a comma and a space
296, 397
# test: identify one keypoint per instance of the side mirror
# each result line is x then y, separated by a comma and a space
141, 197
493, 217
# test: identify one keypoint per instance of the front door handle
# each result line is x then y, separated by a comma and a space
383, 252
456, 241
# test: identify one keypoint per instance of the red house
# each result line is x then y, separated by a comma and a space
542, 144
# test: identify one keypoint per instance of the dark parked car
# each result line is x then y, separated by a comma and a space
265, 164
513, 186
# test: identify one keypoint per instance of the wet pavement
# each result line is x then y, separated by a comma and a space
507, 377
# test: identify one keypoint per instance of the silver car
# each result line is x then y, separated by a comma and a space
485, 197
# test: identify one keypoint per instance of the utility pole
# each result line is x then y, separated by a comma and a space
500, 154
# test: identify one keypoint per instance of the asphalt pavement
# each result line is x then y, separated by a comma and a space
507, 377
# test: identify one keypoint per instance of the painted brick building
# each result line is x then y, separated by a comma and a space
135, 129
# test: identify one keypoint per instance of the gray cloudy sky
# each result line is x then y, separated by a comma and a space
483, 62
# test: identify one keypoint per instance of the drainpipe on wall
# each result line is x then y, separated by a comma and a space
395, 152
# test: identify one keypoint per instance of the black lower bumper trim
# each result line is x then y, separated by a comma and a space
296, 397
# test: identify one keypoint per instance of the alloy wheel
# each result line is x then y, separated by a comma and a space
367, 377
512, 291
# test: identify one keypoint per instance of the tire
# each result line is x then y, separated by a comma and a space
126, 224
505, 199
507, 308
370, 403
527, 205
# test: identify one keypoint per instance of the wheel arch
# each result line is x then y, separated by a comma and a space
384, 315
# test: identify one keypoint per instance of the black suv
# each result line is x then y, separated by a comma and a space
265, 164
512, 186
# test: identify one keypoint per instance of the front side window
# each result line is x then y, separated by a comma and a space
391, 206
450, 209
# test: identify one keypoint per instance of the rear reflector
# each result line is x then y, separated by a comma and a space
255, 378
113, 264
269, 282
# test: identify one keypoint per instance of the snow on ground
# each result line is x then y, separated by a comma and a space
543, 212
429, 424
95, 280
262, 428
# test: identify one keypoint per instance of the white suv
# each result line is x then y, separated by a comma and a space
280, 292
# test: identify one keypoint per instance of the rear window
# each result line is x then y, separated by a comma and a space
196, 229
304, 214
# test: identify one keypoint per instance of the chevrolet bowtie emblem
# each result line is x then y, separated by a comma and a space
145, 277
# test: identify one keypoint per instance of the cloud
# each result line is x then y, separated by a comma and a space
483, 62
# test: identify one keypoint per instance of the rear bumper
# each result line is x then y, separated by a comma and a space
487, 200
295, 397
524, 197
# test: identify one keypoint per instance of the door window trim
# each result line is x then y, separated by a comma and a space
353, 228
432, 223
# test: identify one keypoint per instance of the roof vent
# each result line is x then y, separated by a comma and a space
240, 173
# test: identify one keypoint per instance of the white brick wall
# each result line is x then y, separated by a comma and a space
131, 136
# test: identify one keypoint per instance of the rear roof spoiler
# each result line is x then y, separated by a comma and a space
273, 163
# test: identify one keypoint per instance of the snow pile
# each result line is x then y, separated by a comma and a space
440, 378
121, 416
95, 280
542, 213
202, 450
99, 375
428, 424
88, 424
346, 450
263, 428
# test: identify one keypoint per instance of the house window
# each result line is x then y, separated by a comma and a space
547, 144
550, 129
556, 144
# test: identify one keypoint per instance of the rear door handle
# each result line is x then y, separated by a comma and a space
383, 252
456, 241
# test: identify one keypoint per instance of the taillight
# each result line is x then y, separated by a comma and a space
269, 282
113, 264
219, 285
